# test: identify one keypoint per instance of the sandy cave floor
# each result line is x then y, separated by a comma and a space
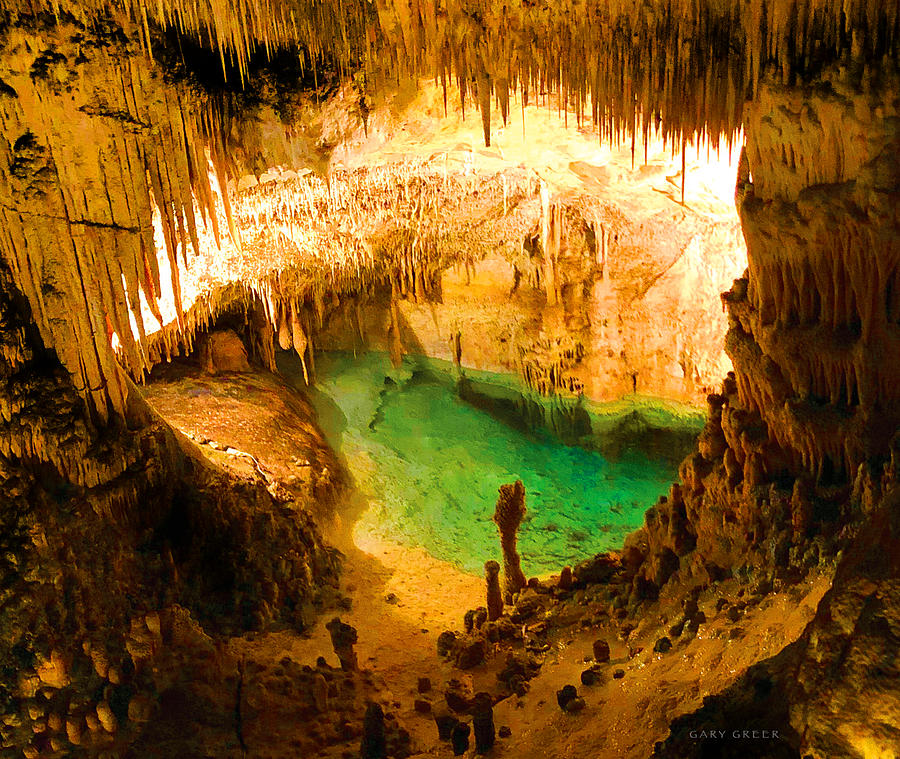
400, 599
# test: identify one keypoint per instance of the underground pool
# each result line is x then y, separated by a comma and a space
427, 450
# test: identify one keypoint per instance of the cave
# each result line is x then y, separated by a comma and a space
407, 379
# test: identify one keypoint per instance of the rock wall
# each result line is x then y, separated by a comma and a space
813, 326
811, 402
799, 457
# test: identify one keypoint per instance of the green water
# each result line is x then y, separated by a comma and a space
429, 463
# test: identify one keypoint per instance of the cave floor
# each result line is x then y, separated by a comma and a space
400, 599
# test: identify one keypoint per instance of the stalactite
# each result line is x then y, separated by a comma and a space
547, 245
299, 341
666, 65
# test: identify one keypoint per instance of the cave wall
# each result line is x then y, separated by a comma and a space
810, 408
798, 463
815, 327
124, 550
93, 141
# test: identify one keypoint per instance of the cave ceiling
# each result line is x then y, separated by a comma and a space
131, 126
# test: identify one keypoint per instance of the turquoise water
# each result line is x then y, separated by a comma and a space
429, 463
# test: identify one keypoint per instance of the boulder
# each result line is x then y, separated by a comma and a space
565, 695
596, 570
223, 351
470, 654
601, 651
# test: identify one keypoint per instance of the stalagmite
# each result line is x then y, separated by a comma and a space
494, 596
508, 515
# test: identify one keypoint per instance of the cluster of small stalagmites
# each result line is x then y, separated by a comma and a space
453, 723
316, 707
520, 638
91, 697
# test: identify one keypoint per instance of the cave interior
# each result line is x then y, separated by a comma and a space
396, 378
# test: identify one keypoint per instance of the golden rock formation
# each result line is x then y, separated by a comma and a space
508, 515
109, 151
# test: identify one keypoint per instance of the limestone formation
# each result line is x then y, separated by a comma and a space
373, 745
445, 722
343, 638
471, 653
508, 515
459, 738
494, 596
601, 651
126, 159
565, 695
223, 351
483, 722
320, 693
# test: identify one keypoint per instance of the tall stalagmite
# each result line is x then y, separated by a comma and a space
508, 515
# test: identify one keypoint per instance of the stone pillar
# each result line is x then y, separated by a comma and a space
508, 516
494, 596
